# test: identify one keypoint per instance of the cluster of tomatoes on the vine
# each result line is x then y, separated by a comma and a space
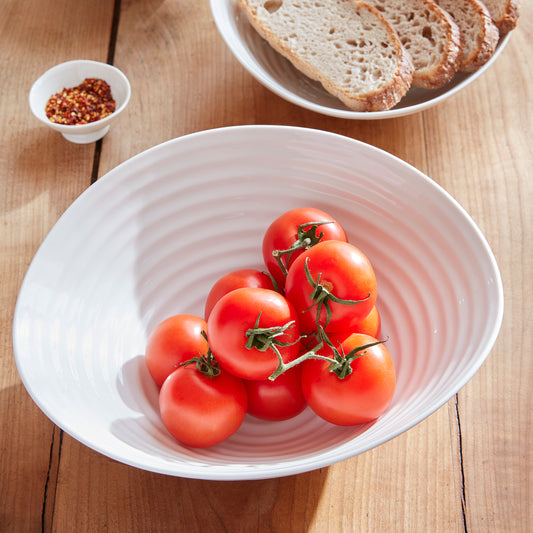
305, 333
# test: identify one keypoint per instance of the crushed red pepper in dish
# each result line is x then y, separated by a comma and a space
88, 102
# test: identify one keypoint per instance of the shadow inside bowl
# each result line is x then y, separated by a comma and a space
257, 442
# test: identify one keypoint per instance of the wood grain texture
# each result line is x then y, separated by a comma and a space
466, 468
40, 176
494, 182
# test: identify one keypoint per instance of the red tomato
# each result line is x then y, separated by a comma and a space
175, 340
280, 399
338, 270
246, 277
360, 396
235, 315
294, 231
199, 410
370, 325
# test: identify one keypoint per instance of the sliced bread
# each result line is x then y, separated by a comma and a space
479, 34
429, 35
504, 13
345, 45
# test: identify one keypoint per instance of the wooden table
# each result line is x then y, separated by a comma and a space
465, 468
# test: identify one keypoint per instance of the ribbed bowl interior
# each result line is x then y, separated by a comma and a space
149, 239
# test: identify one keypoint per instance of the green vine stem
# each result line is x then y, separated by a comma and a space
205, 363
305, 239
340, 363
264, 338
322, 296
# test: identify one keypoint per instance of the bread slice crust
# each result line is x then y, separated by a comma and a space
346, 45
504, 13
479, 34
429, 34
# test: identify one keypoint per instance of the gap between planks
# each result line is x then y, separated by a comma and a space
50, 488
461, 464
110, 59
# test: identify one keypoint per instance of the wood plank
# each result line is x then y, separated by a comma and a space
40, 175
494, 182
492, 179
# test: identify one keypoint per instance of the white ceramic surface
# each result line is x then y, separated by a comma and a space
278, 74
150, 237
71, 74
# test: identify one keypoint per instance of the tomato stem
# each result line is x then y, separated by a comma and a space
273, 280
344, 361
205, 363
322, 296
340, 363
305, 239
264, 338
283, 367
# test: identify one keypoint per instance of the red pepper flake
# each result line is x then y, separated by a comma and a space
88, 102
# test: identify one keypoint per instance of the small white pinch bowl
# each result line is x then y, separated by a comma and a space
149, 239
71, 74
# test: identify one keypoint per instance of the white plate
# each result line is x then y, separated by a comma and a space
150, 237
281, 77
